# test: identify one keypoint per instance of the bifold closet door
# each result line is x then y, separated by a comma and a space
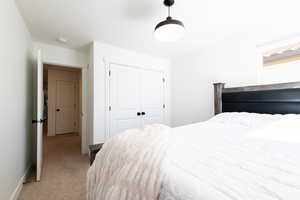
124, 99
152, 97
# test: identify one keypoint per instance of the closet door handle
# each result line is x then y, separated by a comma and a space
138, 114
143, 113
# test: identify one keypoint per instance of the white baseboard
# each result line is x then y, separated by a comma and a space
17, 191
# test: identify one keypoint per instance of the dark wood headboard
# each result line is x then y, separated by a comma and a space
283, 98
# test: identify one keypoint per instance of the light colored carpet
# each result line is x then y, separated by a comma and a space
64, 171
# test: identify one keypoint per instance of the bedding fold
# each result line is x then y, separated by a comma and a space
128, 167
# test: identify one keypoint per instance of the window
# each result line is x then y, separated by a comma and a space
282, 53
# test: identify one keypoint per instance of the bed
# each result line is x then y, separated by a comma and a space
248, 151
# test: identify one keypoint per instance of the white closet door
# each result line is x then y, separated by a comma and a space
124, 99
152, 97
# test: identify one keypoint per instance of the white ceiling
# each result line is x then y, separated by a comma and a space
130, 23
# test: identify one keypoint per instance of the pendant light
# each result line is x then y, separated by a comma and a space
169, 30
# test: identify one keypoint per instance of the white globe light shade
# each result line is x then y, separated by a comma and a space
169, 30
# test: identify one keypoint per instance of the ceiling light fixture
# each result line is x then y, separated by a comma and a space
169, 30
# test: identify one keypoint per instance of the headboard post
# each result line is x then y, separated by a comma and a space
218, 89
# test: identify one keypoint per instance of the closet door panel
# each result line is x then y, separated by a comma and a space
152, 97
124, 99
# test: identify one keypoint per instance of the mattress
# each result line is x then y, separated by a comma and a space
220, 159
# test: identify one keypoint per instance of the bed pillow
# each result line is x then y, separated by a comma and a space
251, 120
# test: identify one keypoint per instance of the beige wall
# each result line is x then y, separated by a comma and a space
60, 73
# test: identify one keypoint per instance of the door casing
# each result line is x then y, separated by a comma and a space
84, 99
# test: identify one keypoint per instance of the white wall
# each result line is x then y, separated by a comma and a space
280, 73
191, 90
235, 62
102, 54
62, 56
16, 99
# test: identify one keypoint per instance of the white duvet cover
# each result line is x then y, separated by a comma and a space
213, 160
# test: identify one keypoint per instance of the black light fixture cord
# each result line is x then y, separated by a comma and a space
169, 12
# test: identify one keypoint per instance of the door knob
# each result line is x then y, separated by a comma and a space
138, 114
143, 113
57, 110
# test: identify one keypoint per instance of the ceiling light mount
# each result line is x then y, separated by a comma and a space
169, 30
169, 3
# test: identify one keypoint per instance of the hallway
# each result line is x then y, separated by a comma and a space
64, 171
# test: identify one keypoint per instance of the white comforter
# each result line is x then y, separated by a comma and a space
213, 160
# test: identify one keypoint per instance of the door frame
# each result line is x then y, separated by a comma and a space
107, 64
84, 106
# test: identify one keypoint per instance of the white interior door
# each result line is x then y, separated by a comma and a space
124, 99
152, 97
38, 115
65, 121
